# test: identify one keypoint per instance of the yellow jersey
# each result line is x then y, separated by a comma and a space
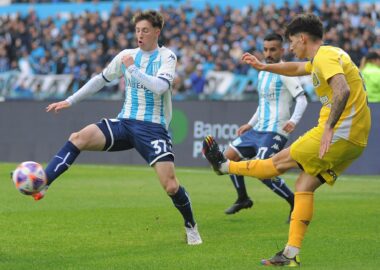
355, 122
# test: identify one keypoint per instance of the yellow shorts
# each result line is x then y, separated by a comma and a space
305, 150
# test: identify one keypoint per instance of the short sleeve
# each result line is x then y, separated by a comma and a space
308, 67
329, 64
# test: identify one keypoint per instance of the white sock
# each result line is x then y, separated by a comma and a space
290, 251
225, 166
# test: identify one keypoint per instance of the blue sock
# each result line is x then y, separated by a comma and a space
239, 185
182, 202
278, 186
61, 161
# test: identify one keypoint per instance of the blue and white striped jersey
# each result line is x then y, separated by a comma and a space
141, 103
276, 96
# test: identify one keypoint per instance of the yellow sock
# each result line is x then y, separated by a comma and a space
262, 169
301, 217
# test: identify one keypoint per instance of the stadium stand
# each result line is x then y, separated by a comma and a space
71, 42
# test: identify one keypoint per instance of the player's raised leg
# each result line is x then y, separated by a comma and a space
89, 138
181, 200
259, 168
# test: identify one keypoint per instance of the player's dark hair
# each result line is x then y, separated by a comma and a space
152, 16
305, 23
273, 36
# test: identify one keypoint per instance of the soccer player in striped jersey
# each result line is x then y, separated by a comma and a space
325, 151
144, 119
267, 131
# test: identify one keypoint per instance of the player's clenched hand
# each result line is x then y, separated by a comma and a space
326, 141
57, 106
253, 61
127, 60
243, 128
289, 127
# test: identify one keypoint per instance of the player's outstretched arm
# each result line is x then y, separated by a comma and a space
251, 60
57, 106
282, 68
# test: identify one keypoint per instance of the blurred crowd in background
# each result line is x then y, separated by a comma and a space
208, 39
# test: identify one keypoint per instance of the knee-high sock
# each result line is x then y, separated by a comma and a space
239, 185
61, 161
259, 168
181, 201
301, 217
278, 186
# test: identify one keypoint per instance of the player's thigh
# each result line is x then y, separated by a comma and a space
243, 147
340, 155
89, 138
118, 134
305, 151
153, 142
283, 161
166, 174
259, 144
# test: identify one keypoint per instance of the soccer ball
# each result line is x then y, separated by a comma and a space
29, 177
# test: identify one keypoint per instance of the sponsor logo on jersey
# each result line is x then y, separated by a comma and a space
135, 84
270, 95
325, 101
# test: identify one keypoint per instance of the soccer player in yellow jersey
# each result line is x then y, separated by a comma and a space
326, 150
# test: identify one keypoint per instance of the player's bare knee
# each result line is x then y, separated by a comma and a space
76, 139
298, 187
307, 183
171, 186
231, 155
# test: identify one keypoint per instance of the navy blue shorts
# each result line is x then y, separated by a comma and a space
258, 144
151, 140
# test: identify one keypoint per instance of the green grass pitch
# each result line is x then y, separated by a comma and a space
118, 217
